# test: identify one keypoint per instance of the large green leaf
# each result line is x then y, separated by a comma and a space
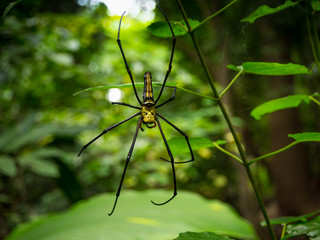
266, 10
279, 104
269, 68
135, 218
200, 236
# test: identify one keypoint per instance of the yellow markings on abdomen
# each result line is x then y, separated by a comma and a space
149, 93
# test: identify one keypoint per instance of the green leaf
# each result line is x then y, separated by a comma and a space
39, 165
7, 166
161, 28
8, 8
306, 137
179, 145
310, 229
136, 218
279, 104
200, 236
272, 69
287, 220
266, 10
315, 5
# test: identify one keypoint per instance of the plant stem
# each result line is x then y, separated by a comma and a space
272, 153
215, 14
231, 83
227, 152
314, 100
313, 34
229, 123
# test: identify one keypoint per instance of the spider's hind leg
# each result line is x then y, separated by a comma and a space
183, 134
172, 166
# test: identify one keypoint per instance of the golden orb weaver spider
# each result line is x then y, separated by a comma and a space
148, 115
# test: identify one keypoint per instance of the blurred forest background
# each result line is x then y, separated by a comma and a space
50, 50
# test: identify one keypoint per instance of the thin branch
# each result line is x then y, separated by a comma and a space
231, 83
273, 153
214, 15
314, 100
227, 152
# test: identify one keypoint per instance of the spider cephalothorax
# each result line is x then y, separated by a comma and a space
148, 115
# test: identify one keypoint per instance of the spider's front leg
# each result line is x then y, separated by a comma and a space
107, 130
126, 164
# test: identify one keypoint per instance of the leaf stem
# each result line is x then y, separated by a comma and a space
231, 83
314, 100
227, 152
313, 34
213, 15
273, 153
229, 123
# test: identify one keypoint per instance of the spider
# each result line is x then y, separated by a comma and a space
148, 115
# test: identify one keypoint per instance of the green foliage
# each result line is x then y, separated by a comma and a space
307, 225
288, 220
271, 69
266, 10
306, 137
200, 236
311, 229
271, 106
137, 218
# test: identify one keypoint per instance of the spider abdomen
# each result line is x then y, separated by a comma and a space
147, 89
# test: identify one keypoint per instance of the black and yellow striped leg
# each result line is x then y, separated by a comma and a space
171, 57
126, 164
183, 134
125, 61
172, 166
107, 130
125, 104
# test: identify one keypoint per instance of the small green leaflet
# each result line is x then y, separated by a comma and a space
310, 229
8, 8
306, 137
291, 101
8, 166
287, 220
272, 69
315, 5
201, 236
266, 10
161, 28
